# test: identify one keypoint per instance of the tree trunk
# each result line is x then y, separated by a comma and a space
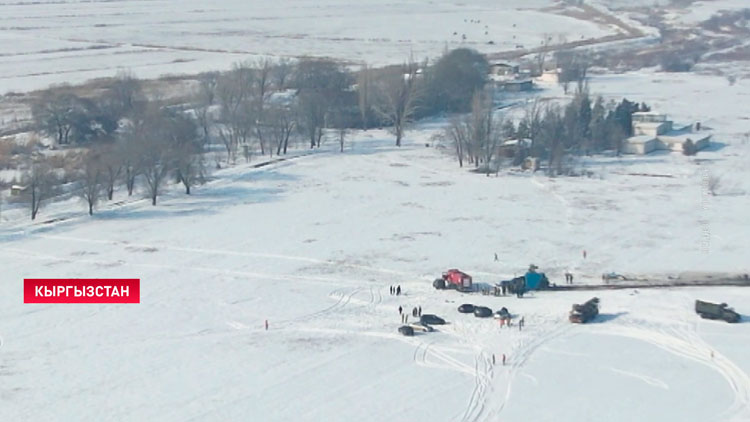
187, 188
34, 208
91, 208
153, 200
110, 192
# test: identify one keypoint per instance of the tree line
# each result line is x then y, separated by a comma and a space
131, 137
547, 132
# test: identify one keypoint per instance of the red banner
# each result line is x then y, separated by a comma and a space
82, 290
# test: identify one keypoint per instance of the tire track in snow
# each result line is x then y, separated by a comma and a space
424, 350
247, 274
225, 252
685, 342
519, 355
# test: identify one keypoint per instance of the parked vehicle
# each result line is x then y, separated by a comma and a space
586, 312
453, 279
418, 326
430, 319
466, 308
482, 312
710, 310
406, 330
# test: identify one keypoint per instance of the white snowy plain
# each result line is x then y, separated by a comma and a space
52, 42
313, 244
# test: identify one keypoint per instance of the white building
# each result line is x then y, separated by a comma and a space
551, 76
653, 131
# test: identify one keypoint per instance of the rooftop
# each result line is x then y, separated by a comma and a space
640, 139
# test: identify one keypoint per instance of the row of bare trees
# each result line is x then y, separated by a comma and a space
157, 143
477, 135
546, 131
131, 138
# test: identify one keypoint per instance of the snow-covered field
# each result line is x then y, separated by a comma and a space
46, 42
313, 245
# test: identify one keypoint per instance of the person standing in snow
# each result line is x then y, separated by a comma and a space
503, 359
390, 290
584, 254
406, 319
266, 325
520, 324
493, 358
419, 311
398, 291
496, 257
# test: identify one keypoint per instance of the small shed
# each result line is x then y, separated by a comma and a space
503, 68
530, 163
517, 85
16, 190
641, 144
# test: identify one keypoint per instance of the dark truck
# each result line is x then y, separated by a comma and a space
710, 310
584, 313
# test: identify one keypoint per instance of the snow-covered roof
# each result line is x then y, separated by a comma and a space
639, 139
525, 142
682, 137
504, 63
648, 125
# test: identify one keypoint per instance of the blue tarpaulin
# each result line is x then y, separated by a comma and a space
533, 280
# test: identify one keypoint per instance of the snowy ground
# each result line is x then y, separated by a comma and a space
313, 244
72, 41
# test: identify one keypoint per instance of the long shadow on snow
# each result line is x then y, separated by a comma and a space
200, 203
272, 175
601, 318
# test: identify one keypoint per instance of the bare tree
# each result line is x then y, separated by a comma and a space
207, 83
541, 55
190, 168
39, 180
155, 164
235, 96
123, 93
111, 165
312, 109
281, 72
322, 86
398, 95
131, 163
281, 125
574, 67
485, 130
189, 165
67, 117
205, 97
90, 179
53, 114
552, 132
261, 93
341, 131
459, 133
363, 93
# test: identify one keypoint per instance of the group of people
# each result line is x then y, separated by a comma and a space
416, 312
396, 290
568, 278
493, 359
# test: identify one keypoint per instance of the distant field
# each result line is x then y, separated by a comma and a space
46, 42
